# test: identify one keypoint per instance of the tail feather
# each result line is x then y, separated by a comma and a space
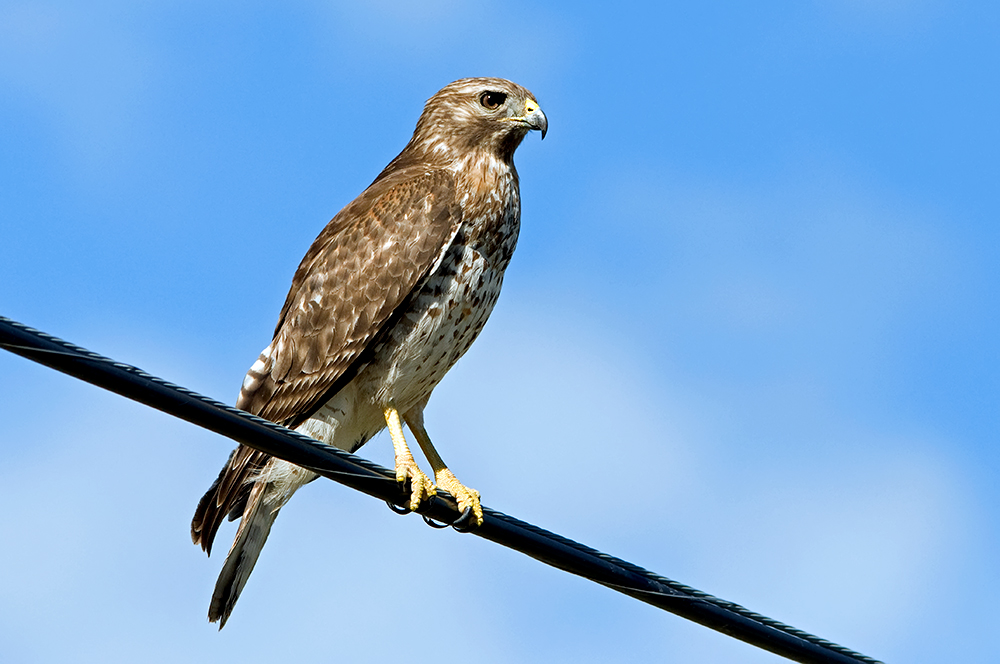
259, 501
261, 511
228, 495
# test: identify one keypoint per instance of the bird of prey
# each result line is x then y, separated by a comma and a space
393, 291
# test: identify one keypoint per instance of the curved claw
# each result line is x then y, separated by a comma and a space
421, 487
466, 523
397, 509
434, 524
461, 524
468, 499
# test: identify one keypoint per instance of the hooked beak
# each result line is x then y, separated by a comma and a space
534, 117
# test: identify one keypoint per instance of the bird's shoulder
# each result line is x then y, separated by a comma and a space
401, 205
356, 276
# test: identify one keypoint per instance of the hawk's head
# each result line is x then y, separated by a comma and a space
477, 114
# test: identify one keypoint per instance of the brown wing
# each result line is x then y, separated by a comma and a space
353, 280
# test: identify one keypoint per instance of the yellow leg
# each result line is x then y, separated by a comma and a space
421, 486
444, 478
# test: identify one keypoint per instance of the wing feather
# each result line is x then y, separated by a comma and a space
351, 285
345, 293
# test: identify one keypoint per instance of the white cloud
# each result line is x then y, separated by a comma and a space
561, 428
837, 534
888, 18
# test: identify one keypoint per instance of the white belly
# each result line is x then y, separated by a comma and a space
446, 318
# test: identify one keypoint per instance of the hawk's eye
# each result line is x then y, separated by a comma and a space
492, 100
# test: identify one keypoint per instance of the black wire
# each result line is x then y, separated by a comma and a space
363, 475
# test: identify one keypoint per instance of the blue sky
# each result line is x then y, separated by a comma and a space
749, 338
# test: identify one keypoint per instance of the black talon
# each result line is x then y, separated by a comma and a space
397, 509
434, 524
465, 523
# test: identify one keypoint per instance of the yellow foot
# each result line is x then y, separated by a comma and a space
465, 496
421, 487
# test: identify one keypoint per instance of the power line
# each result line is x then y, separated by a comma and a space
363, 475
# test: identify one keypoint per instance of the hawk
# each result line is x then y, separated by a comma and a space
393, 291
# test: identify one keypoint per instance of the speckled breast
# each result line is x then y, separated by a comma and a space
448, 312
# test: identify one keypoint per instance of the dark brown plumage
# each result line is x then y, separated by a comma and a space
388, 297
